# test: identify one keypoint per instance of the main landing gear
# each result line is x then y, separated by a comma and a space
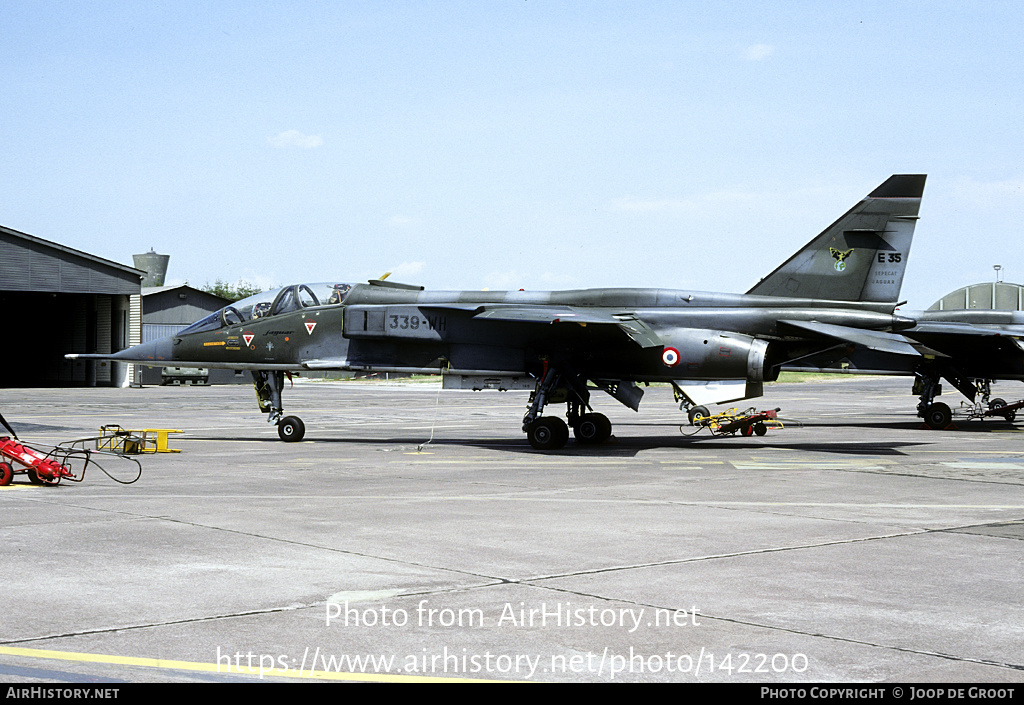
268, 395
937, 415
551, 432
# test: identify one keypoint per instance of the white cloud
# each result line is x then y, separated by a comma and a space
406, 271
758, 52
501, 281
399, 221
294, 138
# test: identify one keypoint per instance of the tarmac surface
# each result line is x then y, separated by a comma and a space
852, 545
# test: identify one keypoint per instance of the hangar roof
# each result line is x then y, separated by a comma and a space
29, 263
1001, 296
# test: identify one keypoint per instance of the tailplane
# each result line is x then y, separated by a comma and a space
860, 257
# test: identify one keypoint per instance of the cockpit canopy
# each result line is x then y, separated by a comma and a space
273, 303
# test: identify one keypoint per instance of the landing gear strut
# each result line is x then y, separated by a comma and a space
268, 396
936, 415
551, 432
695, 412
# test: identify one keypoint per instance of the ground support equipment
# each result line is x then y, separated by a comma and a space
43, 467
48, 465
746, 423
122, 441
995, 408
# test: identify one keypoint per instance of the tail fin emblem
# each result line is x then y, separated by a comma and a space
840, 257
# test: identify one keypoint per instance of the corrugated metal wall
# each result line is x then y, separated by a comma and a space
64, 301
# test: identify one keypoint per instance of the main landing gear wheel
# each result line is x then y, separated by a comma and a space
291, 429
697, 413
937, 416
547, 433
593, 429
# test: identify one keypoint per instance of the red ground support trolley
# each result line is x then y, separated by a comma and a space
42, 467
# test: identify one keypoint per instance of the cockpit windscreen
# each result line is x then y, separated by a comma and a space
273, 303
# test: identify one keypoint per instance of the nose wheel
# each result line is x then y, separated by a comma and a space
268, 386
291, 429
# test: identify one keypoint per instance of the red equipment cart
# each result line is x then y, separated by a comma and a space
42, 467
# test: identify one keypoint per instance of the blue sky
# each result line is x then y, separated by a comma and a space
510, 143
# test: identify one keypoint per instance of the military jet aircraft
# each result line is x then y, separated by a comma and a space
843, 285
969, 348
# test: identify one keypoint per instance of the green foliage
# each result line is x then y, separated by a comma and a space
239, 290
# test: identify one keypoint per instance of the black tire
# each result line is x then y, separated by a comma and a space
6, 473
33, 476
747, 430
760, 429
547, 433
938, 416
997, 403
593, 429
291, 429
697, 413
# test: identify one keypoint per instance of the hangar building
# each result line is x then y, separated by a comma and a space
987, 295
55, 300
169, 309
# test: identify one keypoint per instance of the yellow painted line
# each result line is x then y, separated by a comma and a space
227, 669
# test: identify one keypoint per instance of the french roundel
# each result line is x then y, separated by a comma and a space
670, 356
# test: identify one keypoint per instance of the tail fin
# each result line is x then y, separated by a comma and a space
861, 256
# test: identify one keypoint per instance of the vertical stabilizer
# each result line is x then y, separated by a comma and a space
860, 257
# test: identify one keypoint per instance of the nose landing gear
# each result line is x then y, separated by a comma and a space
268, 386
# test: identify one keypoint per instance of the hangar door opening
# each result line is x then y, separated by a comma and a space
43, 327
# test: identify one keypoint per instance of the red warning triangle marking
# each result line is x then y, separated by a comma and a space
310, 325
248, 337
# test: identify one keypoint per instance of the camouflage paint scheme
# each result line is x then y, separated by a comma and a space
842, 288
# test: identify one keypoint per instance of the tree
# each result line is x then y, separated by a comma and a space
240, 290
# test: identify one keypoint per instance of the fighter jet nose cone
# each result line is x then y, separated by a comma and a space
157, 350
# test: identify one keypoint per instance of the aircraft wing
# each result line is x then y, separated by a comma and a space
952, 328
871, 339
958, 338
637, 330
